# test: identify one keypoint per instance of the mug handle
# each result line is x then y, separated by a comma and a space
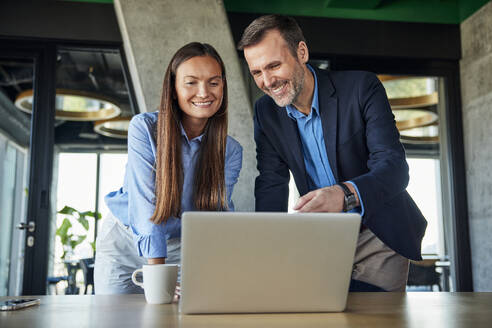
134, 278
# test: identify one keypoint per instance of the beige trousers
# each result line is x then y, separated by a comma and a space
377, 264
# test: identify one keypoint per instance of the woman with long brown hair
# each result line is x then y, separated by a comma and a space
179, 159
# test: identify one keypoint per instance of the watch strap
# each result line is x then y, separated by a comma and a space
349, 201
345, 189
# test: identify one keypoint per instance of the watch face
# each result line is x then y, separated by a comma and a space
350, 202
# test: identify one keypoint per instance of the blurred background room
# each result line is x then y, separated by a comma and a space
73, 73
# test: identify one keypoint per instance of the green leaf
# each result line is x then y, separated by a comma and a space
62, 231
67, 239
95, 215
68, 210
78, 241
87, 213
84, 222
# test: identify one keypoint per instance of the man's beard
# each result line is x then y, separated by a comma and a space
294, 88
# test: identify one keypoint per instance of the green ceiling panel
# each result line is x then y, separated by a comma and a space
354, 4
421, 11
434, 11
468, 7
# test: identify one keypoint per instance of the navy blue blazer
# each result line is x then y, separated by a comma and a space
362, 143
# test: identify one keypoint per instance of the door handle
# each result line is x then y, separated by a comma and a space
31, 226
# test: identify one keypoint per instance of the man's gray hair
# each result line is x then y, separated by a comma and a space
287, 26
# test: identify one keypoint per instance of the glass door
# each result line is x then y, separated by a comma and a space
93, 111
417, 105
16, 76
58, 105
13, 175
26, 137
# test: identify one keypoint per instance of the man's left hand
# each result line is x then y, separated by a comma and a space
327, 199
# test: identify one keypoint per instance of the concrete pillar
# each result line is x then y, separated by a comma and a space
152, 31
476, 86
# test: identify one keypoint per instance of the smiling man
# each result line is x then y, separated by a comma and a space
336, 133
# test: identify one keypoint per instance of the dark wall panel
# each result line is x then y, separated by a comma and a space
330, 36
59, 20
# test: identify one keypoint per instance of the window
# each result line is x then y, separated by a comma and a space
424, 187
12, 205
77, 187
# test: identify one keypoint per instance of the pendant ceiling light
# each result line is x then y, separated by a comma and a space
73, 105
414, 107
414, 102
413, 118
115, 128
413, 112
423, 135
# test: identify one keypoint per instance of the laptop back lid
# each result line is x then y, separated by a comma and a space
266, 262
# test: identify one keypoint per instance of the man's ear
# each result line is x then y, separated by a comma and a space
302, 52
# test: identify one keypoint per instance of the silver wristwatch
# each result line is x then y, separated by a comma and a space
350, 201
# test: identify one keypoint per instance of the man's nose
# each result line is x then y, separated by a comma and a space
268, 80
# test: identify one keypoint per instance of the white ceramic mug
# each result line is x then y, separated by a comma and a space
159, 282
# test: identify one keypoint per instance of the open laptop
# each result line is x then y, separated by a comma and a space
266, 262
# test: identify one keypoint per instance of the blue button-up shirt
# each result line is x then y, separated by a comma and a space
133, 204
313, 145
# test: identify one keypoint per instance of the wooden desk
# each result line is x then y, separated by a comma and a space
363, 310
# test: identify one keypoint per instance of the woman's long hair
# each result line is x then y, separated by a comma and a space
209, 192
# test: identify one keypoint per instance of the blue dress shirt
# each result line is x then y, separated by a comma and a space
133, 204
313, 145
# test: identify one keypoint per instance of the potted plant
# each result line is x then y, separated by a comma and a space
70, 240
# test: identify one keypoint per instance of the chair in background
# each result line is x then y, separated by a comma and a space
72, 267
53, 281
423, 275
87, 266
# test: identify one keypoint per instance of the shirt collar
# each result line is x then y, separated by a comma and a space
292, 110
183, 133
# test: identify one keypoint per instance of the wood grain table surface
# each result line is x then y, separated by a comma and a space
363, 310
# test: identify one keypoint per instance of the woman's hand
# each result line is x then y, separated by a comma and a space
157, 260
177, 293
